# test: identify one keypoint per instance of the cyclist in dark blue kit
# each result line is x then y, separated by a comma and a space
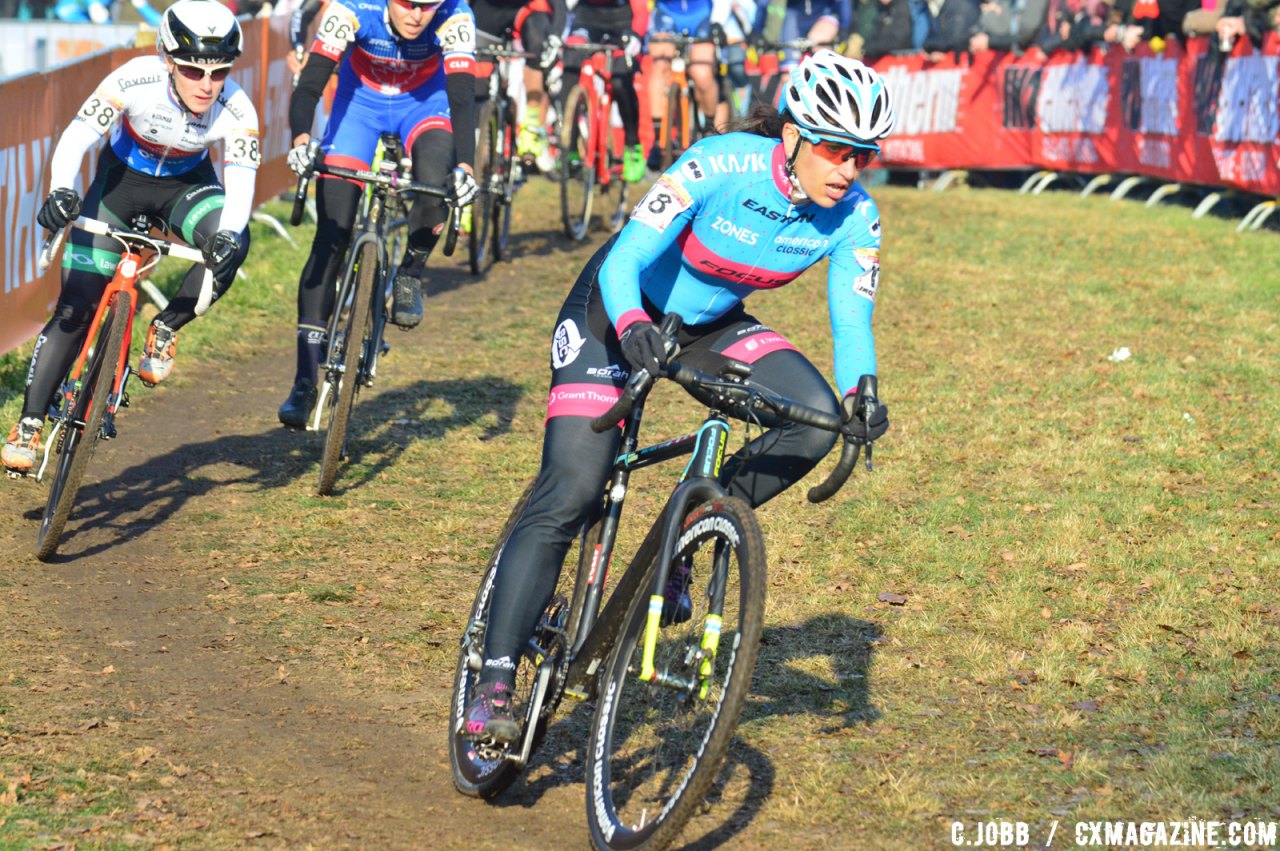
737, 213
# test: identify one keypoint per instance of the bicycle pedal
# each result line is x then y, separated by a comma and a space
124, 401
14, 474
384, 347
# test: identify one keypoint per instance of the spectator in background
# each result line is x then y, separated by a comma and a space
99, 11
1009, 25
1074, 25
1204, 20
957, 21
1253, 18
892, 31
1162, 18
922, 23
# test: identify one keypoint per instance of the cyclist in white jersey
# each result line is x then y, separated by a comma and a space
159, 115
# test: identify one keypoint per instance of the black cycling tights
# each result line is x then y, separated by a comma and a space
336, 204
576, 462
188, 205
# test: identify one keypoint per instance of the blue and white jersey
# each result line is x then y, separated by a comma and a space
719, 225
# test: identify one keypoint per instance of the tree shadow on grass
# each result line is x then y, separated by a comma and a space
838, 695
146, 495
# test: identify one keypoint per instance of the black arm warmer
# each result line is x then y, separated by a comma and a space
311, 82
461, 89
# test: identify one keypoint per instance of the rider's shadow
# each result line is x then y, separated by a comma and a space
146, 495
383, 426
820, 669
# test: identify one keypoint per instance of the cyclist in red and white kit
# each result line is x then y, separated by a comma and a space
160, 114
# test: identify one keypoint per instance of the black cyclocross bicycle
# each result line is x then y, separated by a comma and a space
354, 336
668, 695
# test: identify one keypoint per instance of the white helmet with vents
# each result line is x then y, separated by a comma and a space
833, 97
200, 31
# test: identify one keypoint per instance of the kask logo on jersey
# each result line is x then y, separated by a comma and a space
566, 344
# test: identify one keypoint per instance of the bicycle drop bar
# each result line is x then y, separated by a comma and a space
731, 392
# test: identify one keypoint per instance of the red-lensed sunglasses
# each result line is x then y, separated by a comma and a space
411, 4
196, 73
838, 153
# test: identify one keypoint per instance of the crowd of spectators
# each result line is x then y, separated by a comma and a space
942, 27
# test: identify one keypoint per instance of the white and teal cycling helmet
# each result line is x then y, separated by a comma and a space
833, 97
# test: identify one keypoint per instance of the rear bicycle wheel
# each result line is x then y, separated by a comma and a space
343, 363
488, 153
577, 164
483, 769
656, 746
76, 443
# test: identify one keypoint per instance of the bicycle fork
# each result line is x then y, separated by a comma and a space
700, 479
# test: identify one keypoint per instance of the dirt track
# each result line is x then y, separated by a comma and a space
126, 658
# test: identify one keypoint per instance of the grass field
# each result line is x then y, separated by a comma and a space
1053, 601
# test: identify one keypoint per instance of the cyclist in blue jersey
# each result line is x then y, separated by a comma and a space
159, 115
737, 213
405, 67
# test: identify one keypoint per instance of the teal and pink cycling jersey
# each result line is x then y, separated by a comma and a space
719, 225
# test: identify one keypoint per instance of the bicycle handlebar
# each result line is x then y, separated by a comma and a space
124, 236
739, 390
393, 179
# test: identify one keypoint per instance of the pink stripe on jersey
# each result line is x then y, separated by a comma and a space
581, 400
757, 346
631, 317
700, 258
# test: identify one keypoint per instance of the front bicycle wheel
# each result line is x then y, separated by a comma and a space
507, 183
657, 745
343, 363
577, 164
76, 442
488, 153
677, 138
484, 769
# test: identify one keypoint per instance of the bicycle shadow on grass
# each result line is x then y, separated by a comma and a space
128, 505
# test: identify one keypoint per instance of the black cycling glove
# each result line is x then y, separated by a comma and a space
645, 347
866, 418
59, 209
220, 256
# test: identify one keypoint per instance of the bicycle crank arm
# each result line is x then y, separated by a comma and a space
545, 672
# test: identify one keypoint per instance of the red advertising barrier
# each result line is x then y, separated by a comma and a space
38, 107
1188, 114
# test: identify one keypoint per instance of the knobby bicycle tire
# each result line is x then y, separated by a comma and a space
502, 205
488, 153
677, 130
89, 407
578, 152
342, 398
655, 750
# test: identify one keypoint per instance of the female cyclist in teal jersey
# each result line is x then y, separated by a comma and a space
737, 213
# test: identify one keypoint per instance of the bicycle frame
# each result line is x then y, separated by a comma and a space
596, 76
129, 269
